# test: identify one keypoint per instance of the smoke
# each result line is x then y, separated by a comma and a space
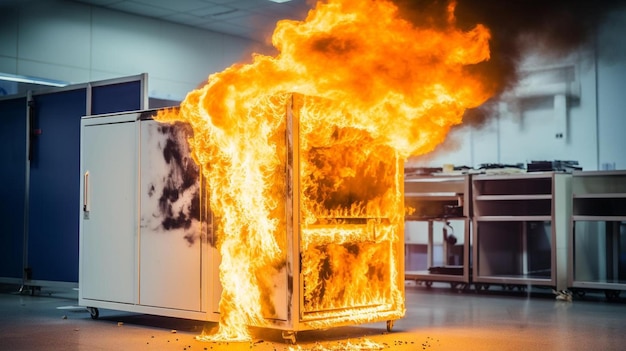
555, 28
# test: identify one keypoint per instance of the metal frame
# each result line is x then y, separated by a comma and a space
560, 211
465, 198
597, 190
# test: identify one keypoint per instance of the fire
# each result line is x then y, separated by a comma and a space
361, 345
356, 89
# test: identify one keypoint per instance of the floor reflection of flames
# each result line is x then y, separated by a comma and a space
335, 339
357, 345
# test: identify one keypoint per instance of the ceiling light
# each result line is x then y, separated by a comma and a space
32, 80
279, 1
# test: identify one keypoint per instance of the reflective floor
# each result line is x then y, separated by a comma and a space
437, 318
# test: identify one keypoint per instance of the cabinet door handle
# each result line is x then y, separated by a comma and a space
86, 192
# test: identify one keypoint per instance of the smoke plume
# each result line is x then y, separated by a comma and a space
553, 27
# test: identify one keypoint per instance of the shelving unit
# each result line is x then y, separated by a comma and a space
520, 226
598, 231
437, 229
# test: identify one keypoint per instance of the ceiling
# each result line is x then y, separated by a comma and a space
251, 19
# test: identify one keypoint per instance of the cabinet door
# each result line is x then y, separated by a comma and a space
108, 235
171, 218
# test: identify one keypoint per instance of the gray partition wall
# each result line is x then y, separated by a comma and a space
41, 140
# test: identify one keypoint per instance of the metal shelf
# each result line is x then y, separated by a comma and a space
436, 201
513, 197
512, 218
520, 228
598, 231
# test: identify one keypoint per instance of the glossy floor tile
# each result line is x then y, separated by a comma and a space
437, 318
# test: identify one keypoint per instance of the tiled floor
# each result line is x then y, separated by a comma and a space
437, 318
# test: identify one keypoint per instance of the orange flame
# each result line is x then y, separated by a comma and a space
368, 88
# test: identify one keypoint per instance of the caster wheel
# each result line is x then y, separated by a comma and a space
428, 284
289, 336
611, 295
94, 312
389, 325
481, 287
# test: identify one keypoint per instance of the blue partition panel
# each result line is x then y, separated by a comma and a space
53, 202
39, 199
13, 186
54, 186
117, 97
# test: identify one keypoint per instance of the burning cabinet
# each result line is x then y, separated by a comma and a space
149, 240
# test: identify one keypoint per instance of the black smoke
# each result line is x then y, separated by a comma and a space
553, 27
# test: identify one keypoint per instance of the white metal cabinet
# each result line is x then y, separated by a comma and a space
144, 230
108, 240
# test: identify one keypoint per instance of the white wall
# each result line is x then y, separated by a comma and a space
612, 92
523, 130
79, 43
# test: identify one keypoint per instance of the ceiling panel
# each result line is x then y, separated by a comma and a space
177, 5
140, 9
184, 18
251, 19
